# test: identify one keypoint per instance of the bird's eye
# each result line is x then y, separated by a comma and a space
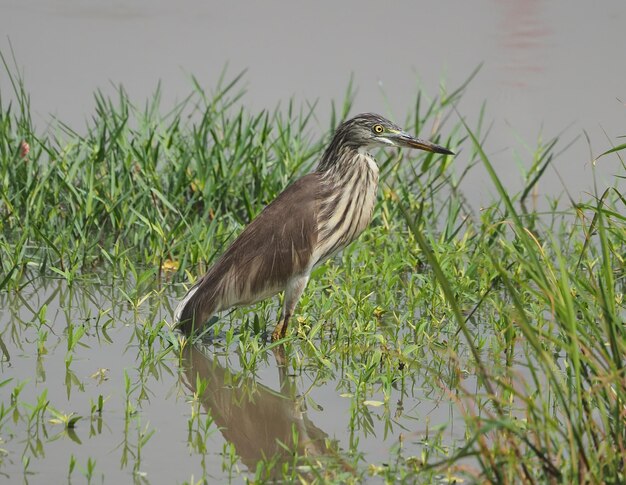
378, 129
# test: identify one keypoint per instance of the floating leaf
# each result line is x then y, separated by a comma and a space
373, 403
101, 374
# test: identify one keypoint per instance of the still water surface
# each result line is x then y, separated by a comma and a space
251, 411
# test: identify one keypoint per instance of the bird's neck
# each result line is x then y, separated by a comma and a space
345, 200
340, 164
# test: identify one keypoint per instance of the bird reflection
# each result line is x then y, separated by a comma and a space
259, 421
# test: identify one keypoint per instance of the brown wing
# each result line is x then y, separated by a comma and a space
275, 246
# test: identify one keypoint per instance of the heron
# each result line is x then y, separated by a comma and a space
310, 221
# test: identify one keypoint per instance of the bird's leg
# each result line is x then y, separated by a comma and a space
294, 290
281, 359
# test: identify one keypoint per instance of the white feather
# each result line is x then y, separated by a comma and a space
184, 301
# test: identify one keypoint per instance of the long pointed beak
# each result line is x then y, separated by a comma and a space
403, 139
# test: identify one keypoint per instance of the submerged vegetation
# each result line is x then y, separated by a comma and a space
514, 317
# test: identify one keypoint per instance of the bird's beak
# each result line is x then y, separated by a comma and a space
403, 139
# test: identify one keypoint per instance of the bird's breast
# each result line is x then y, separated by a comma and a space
346, 206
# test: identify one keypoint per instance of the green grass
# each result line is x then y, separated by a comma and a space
516, 317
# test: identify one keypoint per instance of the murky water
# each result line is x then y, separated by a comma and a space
168, 416
547, 66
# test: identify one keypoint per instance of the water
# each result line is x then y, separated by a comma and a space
547, 66
252, 410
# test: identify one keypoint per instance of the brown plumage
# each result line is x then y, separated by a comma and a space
308, 222
276, 245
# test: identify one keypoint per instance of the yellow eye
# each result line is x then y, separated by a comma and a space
378, 129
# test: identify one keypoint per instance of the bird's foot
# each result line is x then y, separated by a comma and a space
281, 329
278, 332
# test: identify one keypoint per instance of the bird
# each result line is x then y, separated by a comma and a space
310, 221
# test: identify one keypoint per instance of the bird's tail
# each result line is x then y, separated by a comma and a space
194, 309
184, 310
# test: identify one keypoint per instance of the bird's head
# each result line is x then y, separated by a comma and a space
370, 130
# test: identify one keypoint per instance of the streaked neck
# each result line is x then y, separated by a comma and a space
337, 166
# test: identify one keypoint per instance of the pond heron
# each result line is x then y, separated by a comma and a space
311, 220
